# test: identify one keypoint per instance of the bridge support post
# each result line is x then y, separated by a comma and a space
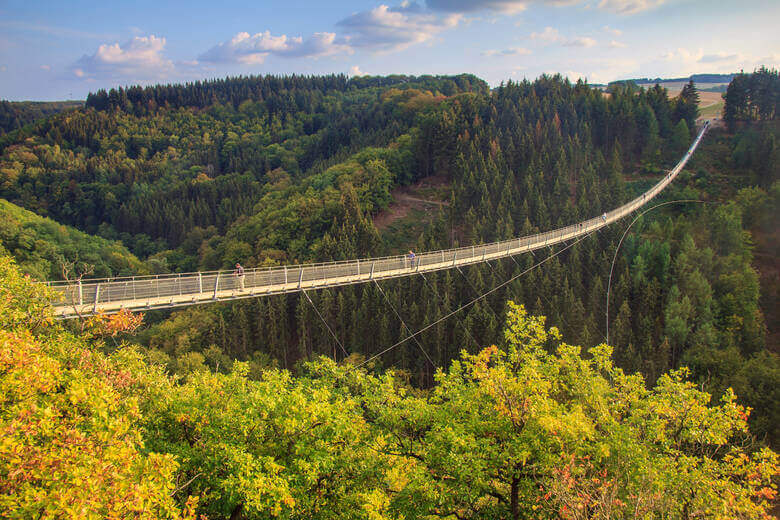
285, 275
216, 285
81, 294
200, 282
97, 296
300, 278
454, 256
371, 276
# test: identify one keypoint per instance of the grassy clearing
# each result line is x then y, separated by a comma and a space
402, 234
713, 110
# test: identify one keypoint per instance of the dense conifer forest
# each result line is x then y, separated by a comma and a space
253, 409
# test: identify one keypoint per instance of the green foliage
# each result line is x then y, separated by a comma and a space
278, 447
70, 445
752, 97
507, 432
151, 165
270, 171
42, 248
15, 115
518, 433
687, 106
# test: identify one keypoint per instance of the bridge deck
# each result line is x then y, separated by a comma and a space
149, 292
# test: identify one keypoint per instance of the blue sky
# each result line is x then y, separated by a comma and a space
65, 49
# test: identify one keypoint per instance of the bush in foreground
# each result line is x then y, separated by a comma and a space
533, 429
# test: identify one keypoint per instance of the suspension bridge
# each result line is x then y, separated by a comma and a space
110, 295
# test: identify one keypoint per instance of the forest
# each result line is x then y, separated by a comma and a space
16, 114
266, 408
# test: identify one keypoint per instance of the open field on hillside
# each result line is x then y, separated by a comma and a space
413, 207
674, 88
710, 105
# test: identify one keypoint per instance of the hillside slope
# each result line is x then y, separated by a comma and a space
42, 247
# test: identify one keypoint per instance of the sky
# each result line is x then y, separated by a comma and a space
66, 49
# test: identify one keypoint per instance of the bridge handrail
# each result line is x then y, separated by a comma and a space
94, 285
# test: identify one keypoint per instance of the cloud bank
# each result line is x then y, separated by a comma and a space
630, 6
254, 49
551, 36
512, 51
141, 58
626, 7
394, 28
466, 6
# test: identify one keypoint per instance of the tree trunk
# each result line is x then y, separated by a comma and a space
514, 505
237, 513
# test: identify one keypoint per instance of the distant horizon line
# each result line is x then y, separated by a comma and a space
644, 80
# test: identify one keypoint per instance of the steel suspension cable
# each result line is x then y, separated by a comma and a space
326, 323
474, 289
408, 330
541, 294
614, 258
472, 302
430, 285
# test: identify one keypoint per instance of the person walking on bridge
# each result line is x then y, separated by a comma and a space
411, 259
239, 272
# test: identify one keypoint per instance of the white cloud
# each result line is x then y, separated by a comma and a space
512, 51
613, 31
773, 60
629, 6
139, 58
463, 6
551, 36
574, 76
684, 56
580, 41
614, 44
354, 70
719, 58
45, 67
516, 6
254, 49
394, 28
683, 62
600, 70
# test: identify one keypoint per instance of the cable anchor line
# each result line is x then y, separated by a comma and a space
305, 293
435, 292
408, 330
480, 297
614, 258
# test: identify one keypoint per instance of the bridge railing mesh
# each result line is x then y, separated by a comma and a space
200, 285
